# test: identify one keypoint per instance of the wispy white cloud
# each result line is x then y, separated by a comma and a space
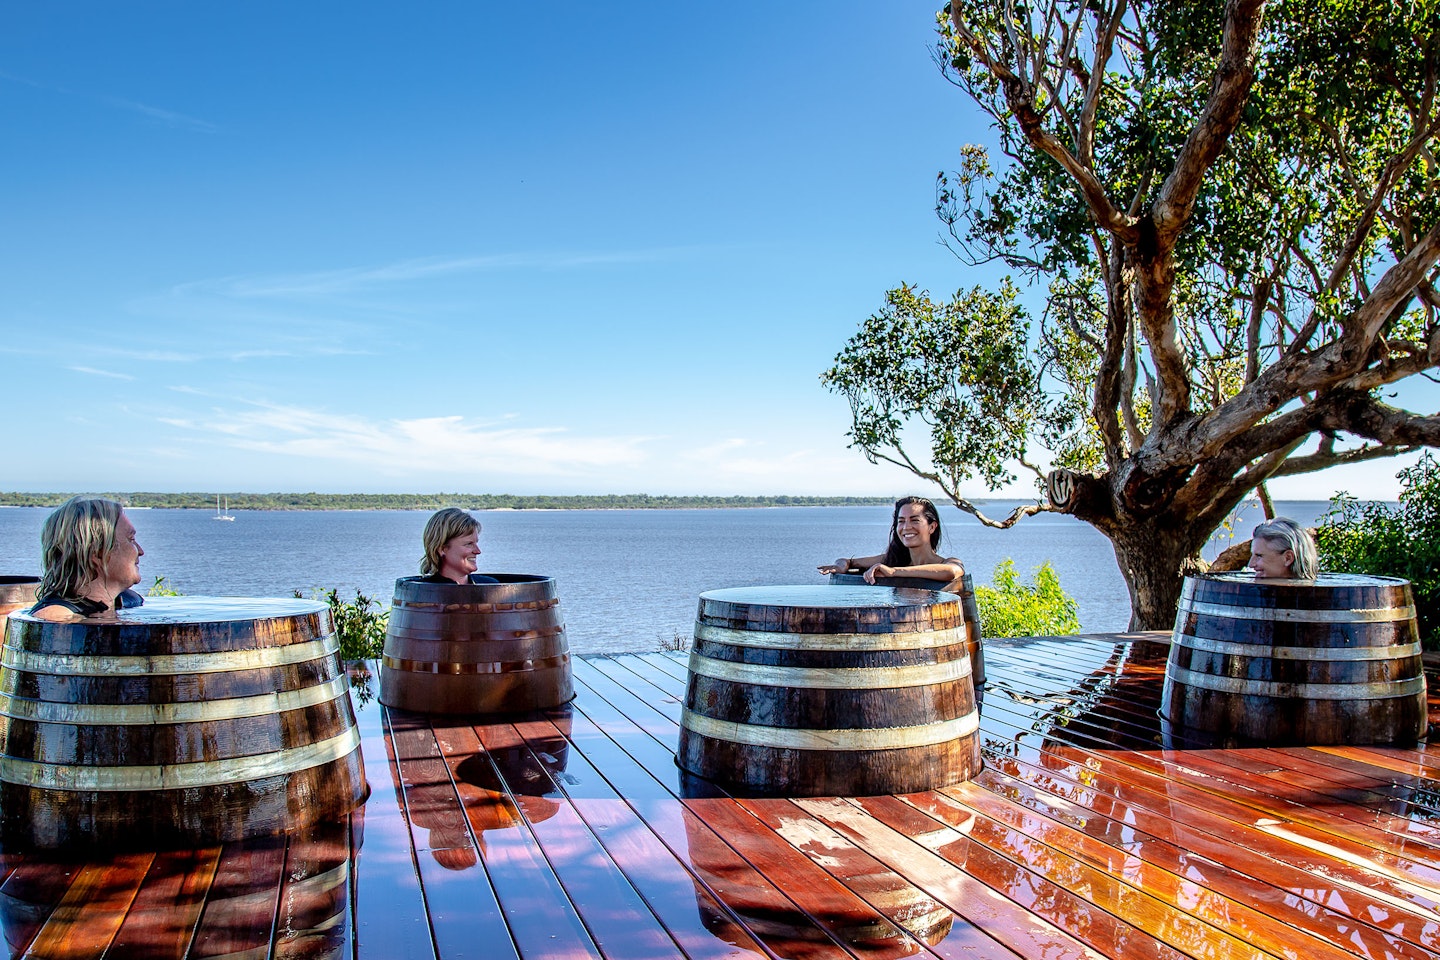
102, 373
739, 458
168, 117
149, 356
419, 446
327, 283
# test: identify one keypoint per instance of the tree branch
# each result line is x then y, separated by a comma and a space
1020, 98
1233, 76
1104, 44
1321, 460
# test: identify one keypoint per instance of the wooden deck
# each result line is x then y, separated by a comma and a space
572, 835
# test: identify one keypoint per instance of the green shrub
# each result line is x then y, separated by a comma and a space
1010, 608
161, 588
1356, 537
359, 625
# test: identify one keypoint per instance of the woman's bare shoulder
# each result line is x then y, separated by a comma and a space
56, 613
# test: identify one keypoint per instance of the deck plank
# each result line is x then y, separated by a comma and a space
240, 910
892, 894
86, 919
652, 789
389, 916
541, 918
28, 896
1230, 870
670, 890
1094, 829
616, 917
161, 921
1374, 894
465, 916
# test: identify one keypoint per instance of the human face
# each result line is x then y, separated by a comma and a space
122, 566
913, 527
1268, 561
457, 558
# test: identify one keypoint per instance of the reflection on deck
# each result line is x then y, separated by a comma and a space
1092, 831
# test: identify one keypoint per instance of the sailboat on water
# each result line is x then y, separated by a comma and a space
219, 513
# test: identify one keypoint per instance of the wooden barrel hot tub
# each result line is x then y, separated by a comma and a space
830, 691
1299, 662
454, 648
185, 722
964, 588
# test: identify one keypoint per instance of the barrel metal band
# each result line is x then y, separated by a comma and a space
832, 678
794, 738
176, 776
430, 606
221, 661
1358, 615
454, 668
1239, 686
192, 711
1265, 651
478, 636
919, 640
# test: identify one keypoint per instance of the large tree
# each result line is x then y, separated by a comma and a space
1234, 214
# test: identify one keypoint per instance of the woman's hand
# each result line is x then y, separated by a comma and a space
879, 570
839, 566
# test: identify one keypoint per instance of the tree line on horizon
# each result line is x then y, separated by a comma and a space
434, 501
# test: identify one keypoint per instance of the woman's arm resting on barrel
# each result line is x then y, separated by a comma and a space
945, 571
847, 564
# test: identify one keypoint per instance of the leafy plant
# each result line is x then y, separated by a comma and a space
359, 624
1010, 608
1404, 541
161, 588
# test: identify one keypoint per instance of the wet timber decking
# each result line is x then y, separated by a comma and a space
570, 835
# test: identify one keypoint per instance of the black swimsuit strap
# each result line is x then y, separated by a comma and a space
83, 606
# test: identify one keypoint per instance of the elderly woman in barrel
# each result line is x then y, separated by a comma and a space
90, 560
1281, 549
452, 542
914, 535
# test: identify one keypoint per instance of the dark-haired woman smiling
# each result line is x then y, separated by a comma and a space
914, 535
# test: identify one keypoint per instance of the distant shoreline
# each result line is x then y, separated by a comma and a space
434, 501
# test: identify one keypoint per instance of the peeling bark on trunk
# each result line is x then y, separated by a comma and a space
1155, 557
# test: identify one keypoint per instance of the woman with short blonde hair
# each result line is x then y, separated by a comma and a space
451, 540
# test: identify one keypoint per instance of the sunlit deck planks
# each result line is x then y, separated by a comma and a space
572, 834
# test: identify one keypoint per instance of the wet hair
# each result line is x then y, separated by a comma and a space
1283, 534
75, 543
897, 554
442, 527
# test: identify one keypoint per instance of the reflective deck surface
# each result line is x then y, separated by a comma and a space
1092, 831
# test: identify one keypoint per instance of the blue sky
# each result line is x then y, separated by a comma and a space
460, 246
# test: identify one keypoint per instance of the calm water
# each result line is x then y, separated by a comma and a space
628, 579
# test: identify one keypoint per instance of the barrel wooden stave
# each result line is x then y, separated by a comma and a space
1336, 661
171, 688
191, 816
16, 593
772, 771
476, 648
964, 588
821, 709
81, 764
844, 698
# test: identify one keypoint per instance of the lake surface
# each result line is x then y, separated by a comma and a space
628, 579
